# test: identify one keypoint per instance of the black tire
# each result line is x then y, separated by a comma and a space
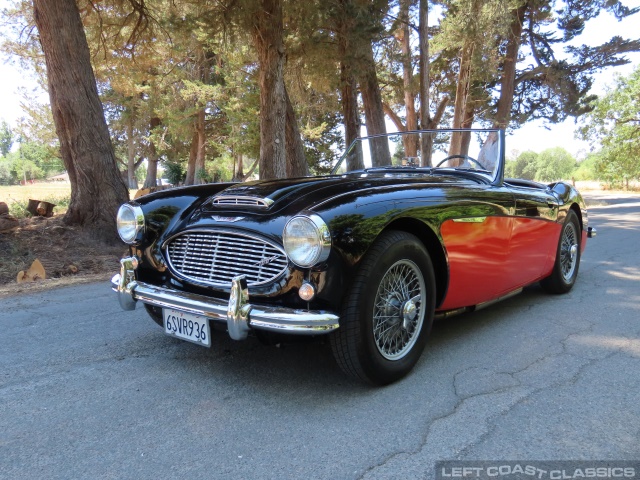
155, 313
361, 346
567, 264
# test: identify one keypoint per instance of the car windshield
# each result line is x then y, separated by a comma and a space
480, 151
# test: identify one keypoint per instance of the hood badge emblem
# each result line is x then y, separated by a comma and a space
266, 261
219, 218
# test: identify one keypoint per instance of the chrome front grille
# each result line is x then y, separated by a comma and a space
214, 257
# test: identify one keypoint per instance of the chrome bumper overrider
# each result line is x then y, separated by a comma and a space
238, 313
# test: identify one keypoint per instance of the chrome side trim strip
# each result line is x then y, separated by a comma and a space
499, 299
470, 220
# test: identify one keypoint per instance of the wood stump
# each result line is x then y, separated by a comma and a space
39, 208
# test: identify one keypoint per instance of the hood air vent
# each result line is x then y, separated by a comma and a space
245, 201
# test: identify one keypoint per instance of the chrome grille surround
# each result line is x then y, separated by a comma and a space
246, 201
214, 257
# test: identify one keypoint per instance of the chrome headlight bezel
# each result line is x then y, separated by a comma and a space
130, 223
306, 240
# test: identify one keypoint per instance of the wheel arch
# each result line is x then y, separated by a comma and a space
434, 247
576, 208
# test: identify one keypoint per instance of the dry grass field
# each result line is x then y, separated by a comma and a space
17, 196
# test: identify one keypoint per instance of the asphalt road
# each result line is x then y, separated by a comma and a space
88, 391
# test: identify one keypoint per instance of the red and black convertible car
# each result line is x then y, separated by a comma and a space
368, 255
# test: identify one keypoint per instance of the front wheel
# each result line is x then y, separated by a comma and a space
565, 268
388, 312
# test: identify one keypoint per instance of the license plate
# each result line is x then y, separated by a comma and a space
187, 326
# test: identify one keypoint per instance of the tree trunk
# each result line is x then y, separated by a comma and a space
348, 89
131, 154
200, 146
193, 155
267, 36
297, 165
373, 110
152, 161
507, 79
467, 122
462, 96
97, 190
238, 173
426, 141
410, 142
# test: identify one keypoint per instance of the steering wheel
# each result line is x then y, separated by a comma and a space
464, 157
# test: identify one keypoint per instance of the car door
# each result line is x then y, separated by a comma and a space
477, 237
535, 233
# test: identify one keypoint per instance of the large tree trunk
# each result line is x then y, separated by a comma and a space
238, 167
507, 79
373, 109
297, 165
348, 88
152, 162
462, 97
193, 155
97, 189
131, 153
410, 142
426, 140
467, 122
267, 36
200, 148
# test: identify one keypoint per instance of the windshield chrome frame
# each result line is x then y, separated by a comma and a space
496, 177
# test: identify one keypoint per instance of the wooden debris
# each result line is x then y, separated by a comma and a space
71, 269
34, 272
7, 222
40, 208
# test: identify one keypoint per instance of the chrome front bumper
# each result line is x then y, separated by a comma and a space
239, 315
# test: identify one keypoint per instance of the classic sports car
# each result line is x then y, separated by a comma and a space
368, 255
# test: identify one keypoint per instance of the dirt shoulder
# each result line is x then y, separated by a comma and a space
68, 255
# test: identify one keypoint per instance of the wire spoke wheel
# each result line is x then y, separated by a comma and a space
388, 310
398, 314
569, 251
567, 263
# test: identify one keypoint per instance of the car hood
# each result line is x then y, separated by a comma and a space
270, 196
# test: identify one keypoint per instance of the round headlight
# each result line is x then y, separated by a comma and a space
307, 240
130, 222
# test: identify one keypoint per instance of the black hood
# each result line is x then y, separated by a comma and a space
303, 193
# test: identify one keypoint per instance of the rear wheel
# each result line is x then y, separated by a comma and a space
388, 312
565, 269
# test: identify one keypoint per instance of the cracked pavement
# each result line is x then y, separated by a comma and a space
90, 391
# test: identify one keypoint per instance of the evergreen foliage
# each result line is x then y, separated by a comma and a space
179, 81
